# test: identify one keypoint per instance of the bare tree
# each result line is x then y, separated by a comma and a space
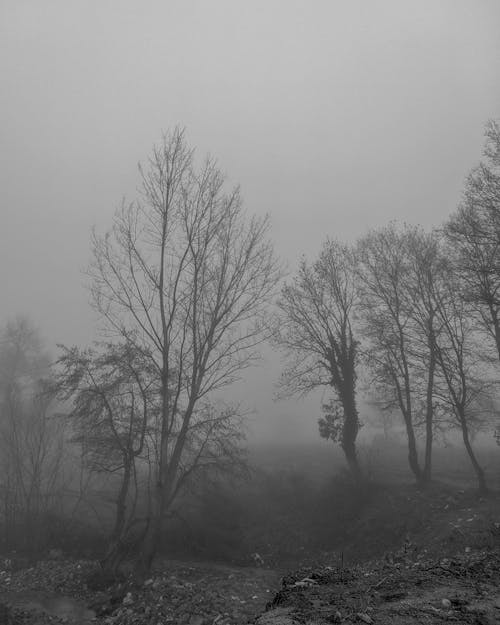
474, 235
31, 437
397, 269
184, 276
111, 393
427, 270
316, 332
465, 380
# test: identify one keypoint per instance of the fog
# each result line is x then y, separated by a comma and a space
250, 322
333, 117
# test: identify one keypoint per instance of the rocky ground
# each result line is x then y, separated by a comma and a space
177, 592
406, 590
445, 566
403, 588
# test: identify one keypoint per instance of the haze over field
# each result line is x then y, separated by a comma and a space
333, 116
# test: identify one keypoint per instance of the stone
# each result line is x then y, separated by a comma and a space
278, 616
128, 599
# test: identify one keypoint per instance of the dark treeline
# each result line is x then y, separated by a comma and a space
185, 283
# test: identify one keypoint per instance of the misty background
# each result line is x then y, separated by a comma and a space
333, 116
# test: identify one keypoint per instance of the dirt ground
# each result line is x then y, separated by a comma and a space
463, 589
188, 593
437, 558
410, 557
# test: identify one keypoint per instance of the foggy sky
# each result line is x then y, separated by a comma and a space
334, 116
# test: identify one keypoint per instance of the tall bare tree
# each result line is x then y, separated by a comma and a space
428, 271
397, 269
185, 276
474, 235
465, 379
316, 332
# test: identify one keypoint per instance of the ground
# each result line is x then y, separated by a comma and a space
433, 557
463, 589
189, 593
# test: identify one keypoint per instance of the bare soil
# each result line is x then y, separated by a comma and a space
463, 589
409, 557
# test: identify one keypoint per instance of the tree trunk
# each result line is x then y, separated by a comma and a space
152, 533
429, 416
496, 326
352, 462
161, 499
153, 528
405, 406
349, 433
113, 557
412, 451
481, 479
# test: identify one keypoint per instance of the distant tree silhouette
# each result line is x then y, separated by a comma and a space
316, 332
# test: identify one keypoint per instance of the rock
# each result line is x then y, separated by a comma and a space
446, 604
307, 581
278, 616
128, 599
364, 618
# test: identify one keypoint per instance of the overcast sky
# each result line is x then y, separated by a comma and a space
334, 116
